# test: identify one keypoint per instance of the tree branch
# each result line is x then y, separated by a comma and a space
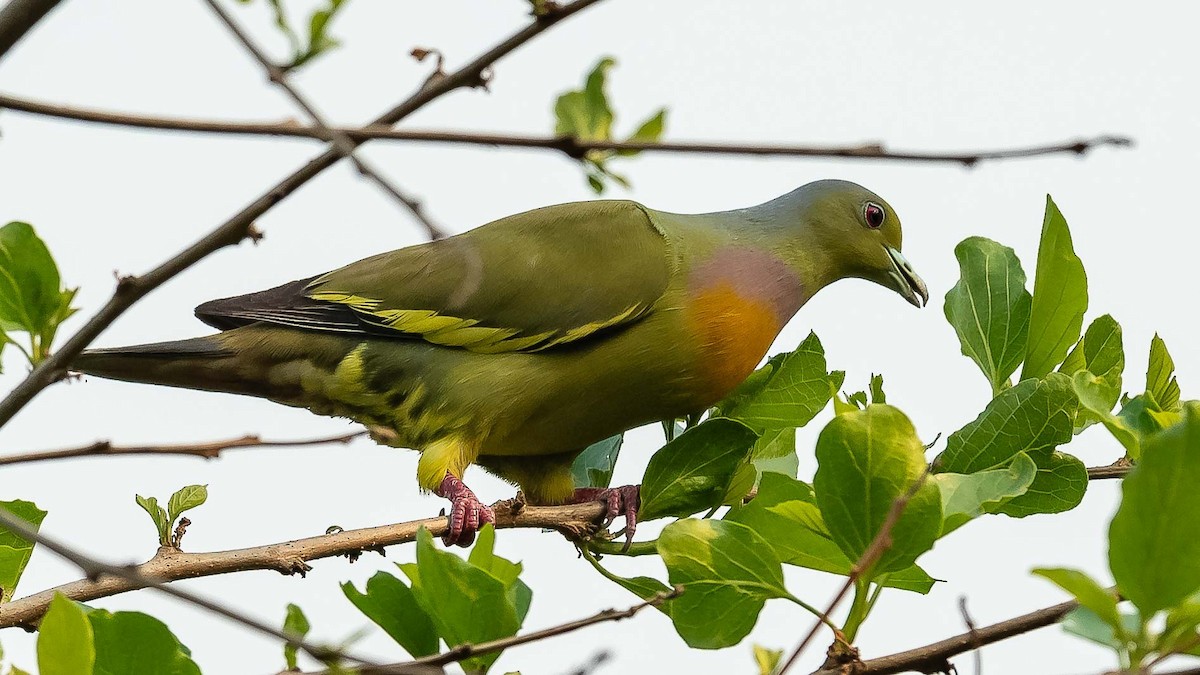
101, 571
209, 450
240, 226
571, 147
290, 557
934, 658
466, 651
19, 17
340, 141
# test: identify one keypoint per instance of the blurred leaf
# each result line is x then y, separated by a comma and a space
185, 499
294, 622
133, 643
866, 460
1100, 351
785, 515
989, 308
65, 644
319, 41
594, 466
1059, 297
1160, 376
159, 515
466, 603
726, 571
1033, 418
694, 471
1154, 540
15, 551
1085, 589
787, 392
648, 132
968, 496
1084, 623
393, 607
767, 660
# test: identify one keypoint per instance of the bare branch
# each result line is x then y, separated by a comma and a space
875, 550
340, 141
19, 17
209, 450
101, 571
466, 651
290, 557
934, 658
131, 289
1118, 469
565, 144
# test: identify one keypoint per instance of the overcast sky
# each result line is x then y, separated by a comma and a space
916, 75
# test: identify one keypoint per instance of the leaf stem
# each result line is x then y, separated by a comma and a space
817, 613
637, 548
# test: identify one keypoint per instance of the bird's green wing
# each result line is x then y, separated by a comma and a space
527, 282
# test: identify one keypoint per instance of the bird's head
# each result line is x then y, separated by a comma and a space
848, 231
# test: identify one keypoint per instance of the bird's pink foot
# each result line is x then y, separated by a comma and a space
467, 513
621, 501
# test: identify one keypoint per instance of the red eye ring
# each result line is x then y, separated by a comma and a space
874, 215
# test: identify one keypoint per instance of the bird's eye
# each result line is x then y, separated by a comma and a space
874, 215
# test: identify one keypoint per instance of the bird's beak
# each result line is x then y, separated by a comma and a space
905, 281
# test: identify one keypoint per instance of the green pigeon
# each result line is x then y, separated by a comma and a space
516, 345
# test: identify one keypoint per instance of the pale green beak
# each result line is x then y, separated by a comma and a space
905, 280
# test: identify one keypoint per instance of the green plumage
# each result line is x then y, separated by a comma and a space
519, 343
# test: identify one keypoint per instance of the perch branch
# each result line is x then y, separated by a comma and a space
289, 557
565, 144
339, 140
209, 450
241, 225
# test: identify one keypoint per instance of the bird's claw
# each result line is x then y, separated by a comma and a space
620, 501
467, 513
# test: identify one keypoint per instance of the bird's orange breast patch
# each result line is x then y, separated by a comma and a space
735, 333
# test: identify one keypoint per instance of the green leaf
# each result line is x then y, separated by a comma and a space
1085, 589
467, 604
1154, 540
159, 515
65, 644
787, 392
866, 460
29, 280
1059, 297
133, 643
1033, 418
877, 395
726, 571
1084, 623
648, 132
585, 114
989, 308
1100, 351
968, 496
319, 39
14, 550
1093, 395
391, 604
594, 466
296, 623
767, 660
785, 515
185, 499
1160, 376
694, 471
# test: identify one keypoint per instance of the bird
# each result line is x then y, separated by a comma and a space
515, 345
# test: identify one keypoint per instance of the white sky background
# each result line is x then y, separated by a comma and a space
928, 75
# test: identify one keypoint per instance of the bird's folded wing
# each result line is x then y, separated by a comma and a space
527, 282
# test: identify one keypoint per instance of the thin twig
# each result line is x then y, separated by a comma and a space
131, 289
466, 651
1118, 469
971, 629
565, 144
934, 658
874, 551
340, 141
290, 557
101, 572
18, 17
209, 450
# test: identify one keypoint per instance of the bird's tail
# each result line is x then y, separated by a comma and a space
198, 363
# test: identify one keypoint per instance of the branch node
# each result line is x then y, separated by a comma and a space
180, 530
254, 234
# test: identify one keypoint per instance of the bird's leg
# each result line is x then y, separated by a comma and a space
621, 501
467, 513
